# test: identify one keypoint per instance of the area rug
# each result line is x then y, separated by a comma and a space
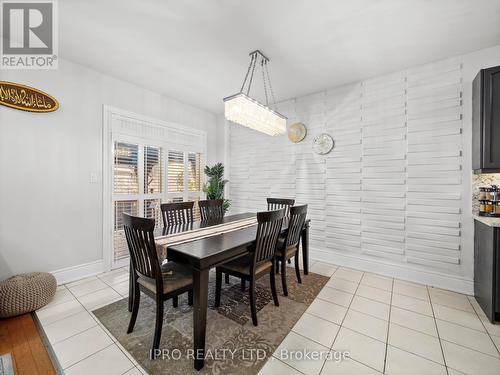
233, 344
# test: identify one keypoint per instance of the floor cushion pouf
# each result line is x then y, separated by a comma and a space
25, 293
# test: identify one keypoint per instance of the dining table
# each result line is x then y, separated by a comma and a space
205, 253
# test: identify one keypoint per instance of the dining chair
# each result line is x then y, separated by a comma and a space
211, 209
288, 246
158, 282
177, 213
278, 203
259, 261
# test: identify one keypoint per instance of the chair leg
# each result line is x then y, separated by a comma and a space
277, 266
159, 323
218, 287
253, 307
283, 276
272, 278
243, 285
297, 269
227, 278
190, 297
135, 308
175, 301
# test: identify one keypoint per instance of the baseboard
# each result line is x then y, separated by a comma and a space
432, 278
66, 275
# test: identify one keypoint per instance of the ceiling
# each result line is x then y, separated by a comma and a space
197, 51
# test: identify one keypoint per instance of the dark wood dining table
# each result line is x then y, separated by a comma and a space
209, 252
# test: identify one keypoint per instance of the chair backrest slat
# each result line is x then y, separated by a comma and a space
211, 209
295, 225
177, 213
278, 203
268, 230
139, 233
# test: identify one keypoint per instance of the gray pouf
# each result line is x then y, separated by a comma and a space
26, 292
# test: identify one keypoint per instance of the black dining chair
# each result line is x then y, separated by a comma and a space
258, 262
278, 203
158, 282
211, 209
288, 246
177, 213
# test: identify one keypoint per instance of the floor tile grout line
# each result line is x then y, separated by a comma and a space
371, 299
92, 291
73, 335
343, 319
484, 326
472, 349
417, 355
439, 336
417, 298
473, 312
309, 339
90, 355
388, 327
333, 303
65, 317
413, 329
286, 364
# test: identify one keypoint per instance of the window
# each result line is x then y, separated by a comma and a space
185, 178
175, 171
137, 187
139, 180
125, 170
194, 171
152, 170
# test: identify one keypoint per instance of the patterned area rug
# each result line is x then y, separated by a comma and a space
234, 345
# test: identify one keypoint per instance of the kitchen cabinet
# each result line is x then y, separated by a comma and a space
486, 121
487, 266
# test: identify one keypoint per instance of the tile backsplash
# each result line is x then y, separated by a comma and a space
479, 180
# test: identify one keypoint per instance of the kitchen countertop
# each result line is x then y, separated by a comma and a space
491, 221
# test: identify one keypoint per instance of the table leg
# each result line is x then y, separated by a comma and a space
200, 296
305, 248
130, 288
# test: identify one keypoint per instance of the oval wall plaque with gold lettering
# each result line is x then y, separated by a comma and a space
26, 98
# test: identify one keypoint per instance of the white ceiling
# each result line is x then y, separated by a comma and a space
197, 51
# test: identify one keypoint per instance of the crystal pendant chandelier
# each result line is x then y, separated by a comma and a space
242, 109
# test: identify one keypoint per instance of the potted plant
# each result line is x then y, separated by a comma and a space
214, 187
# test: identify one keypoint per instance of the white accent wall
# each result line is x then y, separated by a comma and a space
51, 167
394, 195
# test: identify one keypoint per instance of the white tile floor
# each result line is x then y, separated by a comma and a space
387, 325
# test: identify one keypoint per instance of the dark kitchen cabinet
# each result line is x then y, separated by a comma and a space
486, 121
487, 269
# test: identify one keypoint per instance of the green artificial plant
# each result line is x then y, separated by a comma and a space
214, 187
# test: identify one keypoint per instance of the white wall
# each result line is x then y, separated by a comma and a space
50, 213
394, 195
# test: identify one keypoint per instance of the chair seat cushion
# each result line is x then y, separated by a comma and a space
175, 276
242, 265
290, 252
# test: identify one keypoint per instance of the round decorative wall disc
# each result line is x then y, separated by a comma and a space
323, 144
297, 132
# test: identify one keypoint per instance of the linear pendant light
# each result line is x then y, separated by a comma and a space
242, 109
